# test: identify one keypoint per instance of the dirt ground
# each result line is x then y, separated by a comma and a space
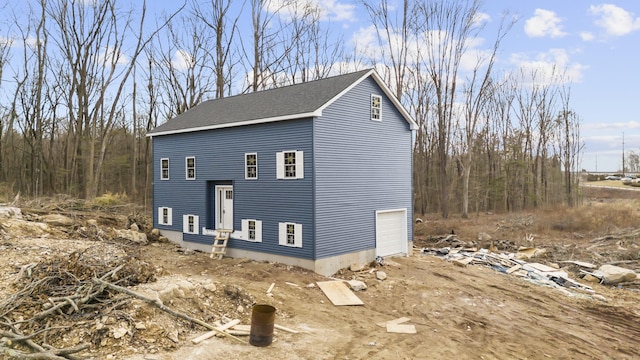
470, 312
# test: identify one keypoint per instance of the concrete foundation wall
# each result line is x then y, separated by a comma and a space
326, 266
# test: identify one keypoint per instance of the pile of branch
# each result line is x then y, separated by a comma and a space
63, 289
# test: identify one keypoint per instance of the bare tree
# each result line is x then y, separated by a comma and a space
477, 91
446, 27
396, 35
91, 38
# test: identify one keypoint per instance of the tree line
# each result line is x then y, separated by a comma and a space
82, 82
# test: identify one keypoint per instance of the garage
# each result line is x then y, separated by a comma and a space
391, 232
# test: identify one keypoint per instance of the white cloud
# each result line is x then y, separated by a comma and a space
6, 42
481, 18
615, 20
109, 55
554, 66
338, 11
328, 9
587, 36
615, 126
544, 23
182, 60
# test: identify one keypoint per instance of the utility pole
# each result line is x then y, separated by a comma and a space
623, 174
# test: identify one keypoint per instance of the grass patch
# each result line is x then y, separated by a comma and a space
591, 217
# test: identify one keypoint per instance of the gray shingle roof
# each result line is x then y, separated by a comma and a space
279, 103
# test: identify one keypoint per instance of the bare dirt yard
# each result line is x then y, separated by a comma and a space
53, 296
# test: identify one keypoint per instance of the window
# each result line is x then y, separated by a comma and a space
290, 234
252, 230
164, 216
190, 163
376, 107
190, 224
251, 166
290, 165
164, 169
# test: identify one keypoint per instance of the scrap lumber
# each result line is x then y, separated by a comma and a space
394, 321
339, 293
280, 327
401, 328
217, 330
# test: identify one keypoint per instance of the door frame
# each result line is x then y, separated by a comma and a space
220, 208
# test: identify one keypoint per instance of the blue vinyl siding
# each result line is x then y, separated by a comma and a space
220, 160
360, 166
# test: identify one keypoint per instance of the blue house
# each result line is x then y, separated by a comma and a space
316, 174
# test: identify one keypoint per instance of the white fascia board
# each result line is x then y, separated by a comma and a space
316, 113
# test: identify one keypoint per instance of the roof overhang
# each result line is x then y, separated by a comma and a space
316, 113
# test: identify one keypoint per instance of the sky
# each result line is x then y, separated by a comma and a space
596, 42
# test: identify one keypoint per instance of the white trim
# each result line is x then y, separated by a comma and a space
371, 108
246, 173
280, 166
161, 216
316, 113
245, 230
186, 168
218, 198
185, 224
236, 234
168, 167
297, 233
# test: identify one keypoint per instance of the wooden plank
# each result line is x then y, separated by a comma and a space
280, 327
211, 334
401, 329
339, 293
393, 322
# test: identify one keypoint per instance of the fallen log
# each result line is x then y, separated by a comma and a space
161, 306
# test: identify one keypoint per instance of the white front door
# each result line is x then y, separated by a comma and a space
224, 207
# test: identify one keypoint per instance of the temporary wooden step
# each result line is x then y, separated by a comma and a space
220, 243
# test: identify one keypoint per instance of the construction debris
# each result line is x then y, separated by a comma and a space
512, 263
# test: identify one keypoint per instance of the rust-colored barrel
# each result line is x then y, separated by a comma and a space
262, 321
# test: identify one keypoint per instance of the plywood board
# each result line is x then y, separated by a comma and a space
339, 293
393, 322
401, 328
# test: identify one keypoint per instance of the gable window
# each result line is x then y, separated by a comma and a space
190, 163
164, 169
251, 166
290, 165
190, 224
164, 216
290, 234
252, 230
376, 107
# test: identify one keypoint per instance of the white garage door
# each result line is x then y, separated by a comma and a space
391, 232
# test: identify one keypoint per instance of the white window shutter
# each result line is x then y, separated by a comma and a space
196, 224
170, 211
280, 165
185, 223
160, 215
298, 235
299, 165
258, 231
245, 229
282, 233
